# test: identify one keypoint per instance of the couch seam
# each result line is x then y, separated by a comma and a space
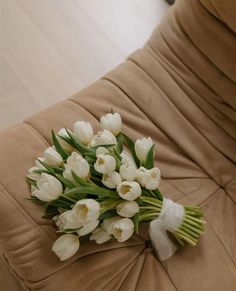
36, 132
120, 271
85, 109
78, 258
165, 64
21, 210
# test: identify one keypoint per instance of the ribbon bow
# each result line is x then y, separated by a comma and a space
170, 219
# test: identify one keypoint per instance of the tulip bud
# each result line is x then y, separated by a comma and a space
126, 155
87, 228
32, 174
78, 164
100, 235
103, 137
68, 220
101, 151
129, 190
49, 188
111, 122
66, 246
105, 164
52, 157
111, 180
142, 147
122, 229
108, 223
83, 131
127, 208
87, 210
63, 133
150, 179
128, 170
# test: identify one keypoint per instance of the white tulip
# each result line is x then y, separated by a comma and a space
122, 229
66, 246
103, 137
111, 122
87, 228
101, 151
32, 175
142, 147
83, 131
63, 133
150, 179
111, 180
127, 208
49, 188
128, 170
126, 155
52, 157
87, 210
100, 235
108, 223
68, 220
105, 164
129, 190
78, 164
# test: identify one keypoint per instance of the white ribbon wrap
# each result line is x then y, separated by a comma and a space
170, 219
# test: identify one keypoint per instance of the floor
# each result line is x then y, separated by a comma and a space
50, 49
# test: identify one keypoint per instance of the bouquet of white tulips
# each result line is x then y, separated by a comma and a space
103, 186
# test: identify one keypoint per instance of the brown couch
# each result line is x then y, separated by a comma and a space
181, 90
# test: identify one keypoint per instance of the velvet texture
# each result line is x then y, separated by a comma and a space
180, 90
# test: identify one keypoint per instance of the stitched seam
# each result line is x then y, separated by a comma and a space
119, 272
79, 258
140, 272
166, 64
15, 274
195, 45
222, 244
21, 210
36, 132
85, 109
125, 277
180, 111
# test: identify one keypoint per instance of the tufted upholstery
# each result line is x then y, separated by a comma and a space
179, 89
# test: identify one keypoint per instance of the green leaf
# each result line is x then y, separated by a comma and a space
136, 223
130, 145
40, 171
36, 200
58, 146
32, 182
120, 142
50, 212
149, 163
108, 214
65, 181
76, 144
50, 169
79, 180
96, 190
158, 194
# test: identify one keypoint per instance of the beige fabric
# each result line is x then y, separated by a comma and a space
179, 89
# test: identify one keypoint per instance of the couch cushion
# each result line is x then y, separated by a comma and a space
177, 90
